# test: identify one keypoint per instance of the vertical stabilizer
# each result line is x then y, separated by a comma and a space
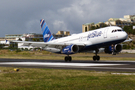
47, 36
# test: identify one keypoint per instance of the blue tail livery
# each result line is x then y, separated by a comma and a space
47, 36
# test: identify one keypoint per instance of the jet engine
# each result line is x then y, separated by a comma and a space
116, 48
71, 49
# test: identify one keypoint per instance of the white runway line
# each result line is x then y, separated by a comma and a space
112, 68
55, 64
124, 73
121, 61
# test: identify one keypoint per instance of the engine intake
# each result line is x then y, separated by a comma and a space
71, 49
117, 48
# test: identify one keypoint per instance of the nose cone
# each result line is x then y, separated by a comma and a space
124, 35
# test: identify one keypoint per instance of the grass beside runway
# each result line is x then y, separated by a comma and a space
56, 79
51, 56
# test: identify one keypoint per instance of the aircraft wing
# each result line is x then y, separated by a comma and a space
129, 40
44, 44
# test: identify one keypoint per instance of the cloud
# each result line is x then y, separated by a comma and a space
22, 16
32, 25
57, 24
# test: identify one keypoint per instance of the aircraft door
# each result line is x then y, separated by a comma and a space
105, 32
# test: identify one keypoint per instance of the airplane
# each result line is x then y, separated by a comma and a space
108, 38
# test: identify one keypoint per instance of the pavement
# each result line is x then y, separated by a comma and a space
119, 66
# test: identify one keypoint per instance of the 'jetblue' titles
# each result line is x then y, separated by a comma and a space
94, 34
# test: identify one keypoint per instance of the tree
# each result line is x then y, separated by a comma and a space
35, 39
26, 39
38, 39
129, 29
92, 28
1, 46
13, 46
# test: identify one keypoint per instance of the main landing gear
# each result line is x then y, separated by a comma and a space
68, 58
96, 57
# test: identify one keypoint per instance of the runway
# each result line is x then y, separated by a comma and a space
121, 66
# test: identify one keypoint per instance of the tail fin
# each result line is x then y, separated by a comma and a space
47, 36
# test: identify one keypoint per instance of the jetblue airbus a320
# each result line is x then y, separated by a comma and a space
108, 38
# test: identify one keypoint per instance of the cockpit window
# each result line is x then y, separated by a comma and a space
117, 30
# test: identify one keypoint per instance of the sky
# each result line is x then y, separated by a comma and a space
23, 16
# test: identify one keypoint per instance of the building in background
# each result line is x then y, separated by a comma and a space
32, 37
126, 21
121, 22
100, 24
86, 27
28, 37
60, 34
130, 17
10, 37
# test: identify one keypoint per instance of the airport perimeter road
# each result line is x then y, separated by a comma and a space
126, 66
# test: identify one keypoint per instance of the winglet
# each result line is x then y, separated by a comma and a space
47, 36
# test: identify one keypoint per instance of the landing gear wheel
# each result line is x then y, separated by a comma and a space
96, 58
68, 58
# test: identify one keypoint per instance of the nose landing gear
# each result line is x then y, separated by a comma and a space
96, 57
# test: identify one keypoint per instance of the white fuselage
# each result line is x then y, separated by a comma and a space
100, 37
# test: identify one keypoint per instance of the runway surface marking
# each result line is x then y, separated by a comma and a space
124, 73
56, 64
112, 68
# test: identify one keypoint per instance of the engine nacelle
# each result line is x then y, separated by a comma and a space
117, 48
71, 49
